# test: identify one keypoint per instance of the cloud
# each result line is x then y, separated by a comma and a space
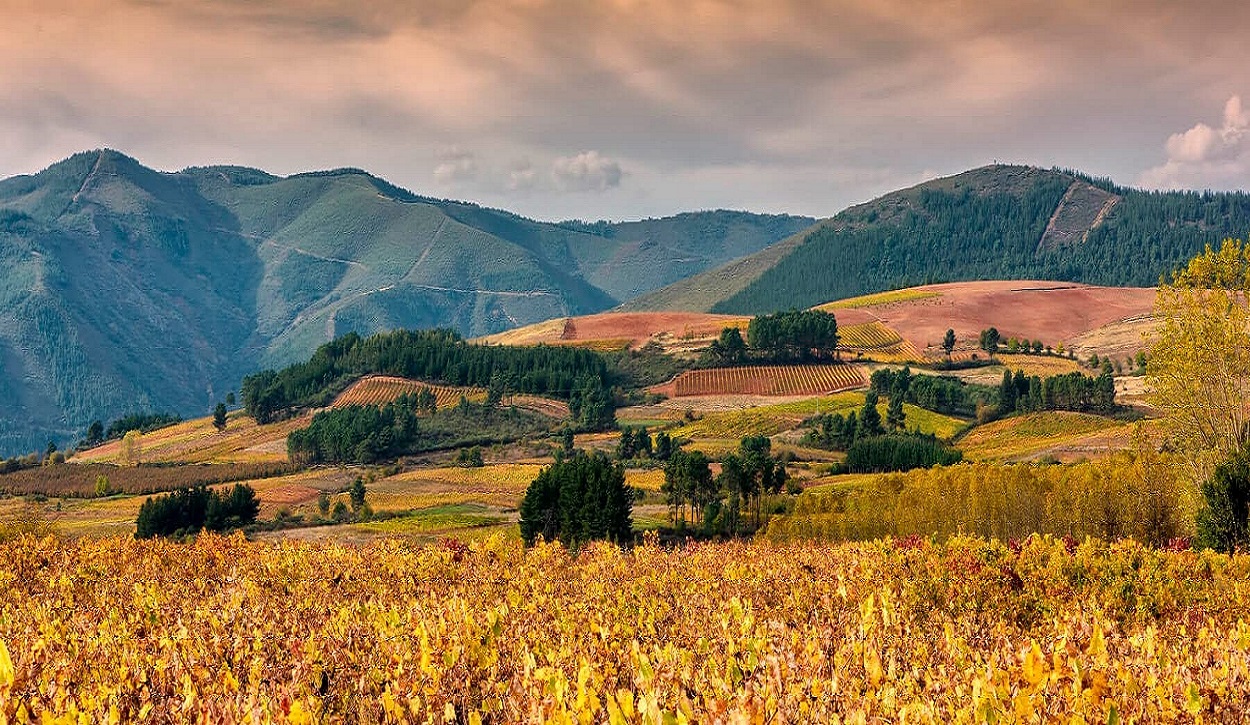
659, 97
522, 177
456, 166
587, 171
1205, 157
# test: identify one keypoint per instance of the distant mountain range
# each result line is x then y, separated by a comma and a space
124, 288
996, 222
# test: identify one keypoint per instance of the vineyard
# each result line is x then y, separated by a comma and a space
223, 630
878, 342
766, 380
382, 389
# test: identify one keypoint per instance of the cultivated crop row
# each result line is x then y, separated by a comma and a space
769, 380
382, 389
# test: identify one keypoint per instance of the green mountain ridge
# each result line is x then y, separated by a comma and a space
995, 222
123, 288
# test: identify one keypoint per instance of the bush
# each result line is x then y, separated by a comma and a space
1222, 523
578, 499
189, 510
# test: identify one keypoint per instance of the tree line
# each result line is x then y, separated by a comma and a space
874, 445
716, 504
783, 337
1071, 391
409, 424
944, 394
573, 374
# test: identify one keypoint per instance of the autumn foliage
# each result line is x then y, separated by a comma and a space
222, 630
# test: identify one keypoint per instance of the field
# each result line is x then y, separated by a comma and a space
197, 441
877, 341
80, 480
381, 389
879, 298
773, 419
1030, 436
620, 329
1041, 365
1053, 312
768, 380
225, 630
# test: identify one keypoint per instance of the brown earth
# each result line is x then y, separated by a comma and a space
1053, 312
637, 327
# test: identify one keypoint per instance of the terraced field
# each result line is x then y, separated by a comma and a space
381, 389
772, 380
876, 340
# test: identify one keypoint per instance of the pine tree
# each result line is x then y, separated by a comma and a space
895, 416
870, 417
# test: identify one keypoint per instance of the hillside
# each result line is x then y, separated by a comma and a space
996, 222
123, 288
1108, 321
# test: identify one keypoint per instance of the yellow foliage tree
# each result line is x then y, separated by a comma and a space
131, 449
1199, 371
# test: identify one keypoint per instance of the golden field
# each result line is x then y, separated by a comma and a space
968, 631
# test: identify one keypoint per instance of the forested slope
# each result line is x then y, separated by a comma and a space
124, 288
997, 222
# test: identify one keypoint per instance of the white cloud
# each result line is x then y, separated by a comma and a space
456, 166
587, 171
1206, 157
522, 177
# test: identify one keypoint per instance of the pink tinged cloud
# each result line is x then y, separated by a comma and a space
1206, 157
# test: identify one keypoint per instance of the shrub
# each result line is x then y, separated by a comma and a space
189, 510
1222, 522
578, 499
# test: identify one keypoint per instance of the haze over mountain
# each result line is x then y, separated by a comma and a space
995, 222
122, 288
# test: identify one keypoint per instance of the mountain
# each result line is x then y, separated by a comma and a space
124, 288
997, 222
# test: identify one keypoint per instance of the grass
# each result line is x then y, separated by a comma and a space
1040, 365
1031, 435
879, 298
197, 441
435, 519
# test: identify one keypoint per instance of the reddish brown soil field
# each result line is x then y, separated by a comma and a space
1053, 312
635, 327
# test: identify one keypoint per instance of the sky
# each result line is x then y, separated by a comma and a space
621, 109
